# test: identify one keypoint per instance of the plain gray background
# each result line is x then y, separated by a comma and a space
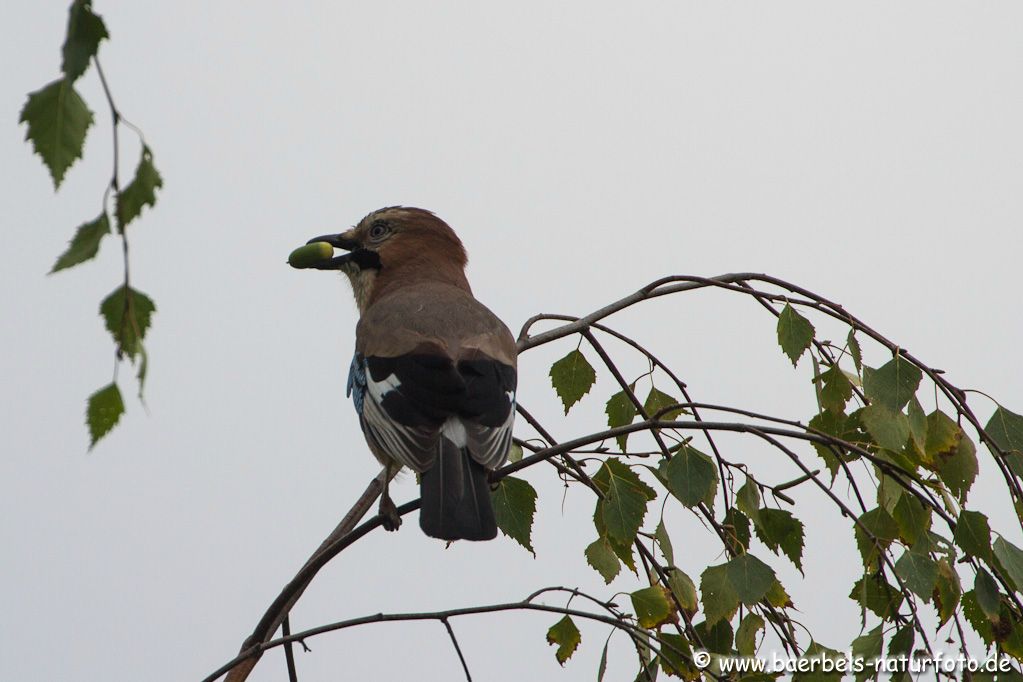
871, 152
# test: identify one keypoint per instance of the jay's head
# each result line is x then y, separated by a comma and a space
397, 246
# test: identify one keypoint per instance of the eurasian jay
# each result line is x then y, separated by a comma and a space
434, 373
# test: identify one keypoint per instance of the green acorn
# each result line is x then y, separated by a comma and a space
310, 255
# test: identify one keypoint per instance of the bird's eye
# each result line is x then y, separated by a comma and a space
378, 230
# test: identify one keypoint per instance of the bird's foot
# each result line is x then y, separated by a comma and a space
389, 513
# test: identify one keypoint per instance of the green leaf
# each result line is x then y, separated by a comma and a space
746, 635
795, 333
104, 411
621, 411
779, 529
602, 666
572, 377
889, 429
988, 595
867, 647
623, 550
874, 533
919, 572
625, 500
836, 389
514, 453
736, 527
85, 30
750, 577
958, 468
57, 119
601, 556
677, 656
873, 592
892, 384
748, 499
947, 593
854, 350
918, 427
566, 635
683, 588
902, 642
514, 507
85, 244
973, 534
140, 192
127, 313
832, 424
716, 637
1006, 429
658, 400
652, 606
819, 653
977, 617
720, 600
664, 542
691, 476
912, 517
1011, 558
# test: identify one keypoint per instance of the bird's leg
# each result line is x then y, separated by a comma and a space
388, 510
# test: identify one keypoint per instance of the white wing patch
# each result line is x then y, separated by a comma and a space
378, 389
454, 430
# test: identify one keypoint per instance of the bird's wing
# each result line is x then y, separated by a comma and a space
488, 410
404, 403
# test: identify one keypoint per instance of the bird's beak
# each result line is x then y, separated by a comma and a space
338, 241
364, 259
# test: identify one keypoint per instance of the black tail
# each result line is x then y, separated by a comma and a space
456, 497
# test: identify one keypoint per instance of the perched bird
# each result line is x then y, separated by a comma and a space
434, 373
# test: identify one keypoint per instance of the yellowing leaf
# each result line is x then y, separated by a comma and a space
566, 635
652, 607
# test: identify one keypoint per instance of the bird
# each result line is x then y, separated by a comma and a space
434, 373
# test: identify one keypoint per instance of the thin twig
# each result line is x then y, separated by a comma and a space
289, 650
458, 649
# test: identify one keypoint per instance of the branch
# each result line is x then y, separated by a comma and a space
342, 536
632, 630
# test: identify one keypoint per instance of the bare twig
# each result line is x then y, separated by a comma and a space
458, 649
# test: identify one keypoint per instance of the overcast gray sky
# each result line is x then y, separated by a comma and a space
872, 152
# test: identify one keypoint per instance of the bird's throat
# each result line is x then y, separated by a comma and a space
362, 282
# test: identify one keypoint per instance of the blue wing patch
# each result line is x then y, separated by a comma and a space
357, 382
